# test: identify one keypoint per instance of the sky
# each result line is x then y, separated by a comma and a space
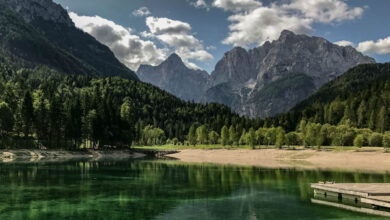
201, 31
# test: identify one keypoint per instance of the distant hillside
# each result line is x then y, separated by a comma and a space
41, 32
360, 98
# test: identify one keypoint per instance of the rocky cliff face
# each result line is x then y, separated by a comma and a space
247, 77
53, 23
173, 76
42, 9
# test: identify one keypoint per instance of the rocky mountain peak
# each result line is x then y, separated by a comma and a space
46, 10
261, 82
173, 60
175, 77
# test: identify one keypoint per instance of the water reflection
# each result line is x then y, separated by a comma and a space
157, 189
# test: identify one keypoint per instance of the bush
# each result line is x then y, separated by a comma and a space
376, 140
386, 141
359, 141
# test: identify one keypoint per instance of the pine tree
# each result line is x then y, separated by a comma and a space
361, 113
27, 113
6, 119
382, 121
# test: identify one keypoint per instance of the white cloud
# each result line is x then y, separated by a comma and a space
177, 35
200, 4
263, 24
344, 43
237, 5
143, 11
130, 49
325, 11
253, 22
381, 46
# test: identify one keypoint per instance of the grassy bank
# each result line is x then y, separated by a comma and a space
247, 147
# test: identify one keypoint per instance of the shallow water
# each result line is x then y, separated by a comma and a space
165, 189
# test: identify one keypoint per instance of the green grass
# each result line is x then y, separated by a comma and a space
229, 147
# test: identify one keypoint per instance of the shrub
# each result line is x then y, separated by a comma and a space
359, 141
386, 141
376, 140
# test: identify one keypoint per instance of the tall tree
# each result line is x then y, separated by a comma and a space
382, 121
6, 119
233, 136
27, 113
201, 133
225, 135
192, 135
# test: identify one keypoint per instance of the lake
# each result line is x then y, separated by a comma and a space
165, 189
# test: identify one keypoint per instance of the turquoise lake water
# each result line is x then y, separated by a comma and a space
165, 189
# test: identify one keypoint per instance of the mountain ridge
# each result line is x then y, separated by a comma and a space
240, 75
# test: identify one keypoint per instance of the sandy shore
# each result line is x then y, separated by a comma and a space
367, 159
38, 155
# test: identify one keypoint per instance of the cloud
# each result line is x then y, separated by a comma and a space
130, 49
344, 43
381, 46
325, 11
177, 35
167, 26
252, 22
143, 11
200, 4
263, 24
237, 5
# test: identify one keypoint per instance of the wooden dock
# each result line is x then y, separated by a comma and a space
358, 196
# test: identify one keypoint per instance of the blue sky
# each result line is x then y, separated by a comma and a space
201, 31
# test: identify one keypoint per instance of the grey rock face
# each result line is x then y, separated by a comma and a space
174, 77
42, 9
242, 75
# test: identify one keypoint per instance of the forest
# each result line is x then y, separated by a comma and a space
42, 108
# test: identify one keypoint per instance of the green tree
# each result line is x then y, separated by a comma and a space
252, 138
213, 137
359, 141
6, 119
382, 120
386, 141
201, 134
225, 135
242, 140
233, 136
192, 135
292, 139
27, 113
280, 137
375, 140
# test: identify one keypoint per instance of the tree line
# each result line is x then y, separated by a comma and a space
42, 108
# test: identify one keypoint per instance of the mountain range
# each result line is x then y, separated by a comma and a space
261, 82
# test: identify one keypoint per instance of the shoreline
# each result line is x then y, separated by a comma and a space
10, 155
366, 159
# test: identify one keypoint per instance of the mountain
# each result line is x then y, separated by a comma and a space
41, 32
173, 76
246, 79
359, 98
